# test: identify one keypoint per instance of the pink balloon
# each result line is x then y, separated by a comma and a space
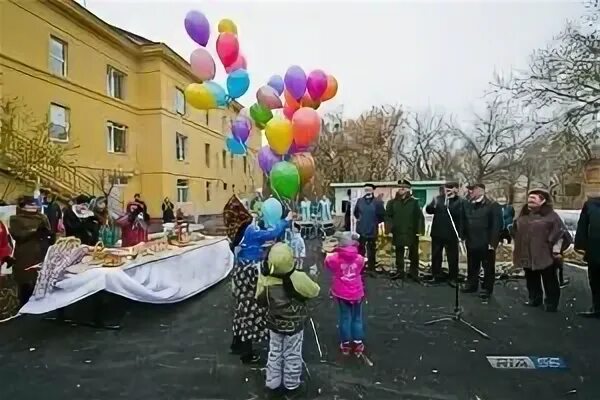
316, 84
289, 111
203, 65
268, 97
228, 48
239, 63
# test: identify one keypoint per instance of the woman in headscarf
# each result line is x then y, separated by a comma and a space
538, 234
107, 231
80, 221
248, 243
134, 224
32, 234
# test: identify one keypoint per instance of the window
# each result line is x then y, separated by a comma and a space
58, 57
180, 146
115, 83
207, 155
245, 164
208, 189
179, 101
224, 157
231, 160
206, 117
118, 180
182, 190
117, 135
224, 186
59, 123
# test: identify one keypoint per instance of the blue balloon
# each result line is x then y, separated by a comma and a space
272, 211
235, 147
218, 92
276, 82
238, 83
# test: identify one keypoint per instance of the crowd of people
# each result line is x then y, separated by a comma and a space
40, 220
271, 290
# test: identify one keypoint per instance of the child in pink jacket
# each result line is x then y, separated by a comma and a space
347, 287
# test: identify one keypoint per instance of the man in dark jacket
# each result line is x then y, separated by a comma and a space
369, 213
587, 240
445, 232
482, 232
405, 221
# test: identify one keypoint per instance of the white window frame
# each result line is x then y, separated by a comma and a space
112, 76
67, 116
183, 190
110, 142
179, 101
181, 146
118, 181
61, 59
208, 190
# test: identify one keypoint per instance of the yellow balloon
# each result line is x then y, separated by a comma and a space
279, 135
227, 25
199, 97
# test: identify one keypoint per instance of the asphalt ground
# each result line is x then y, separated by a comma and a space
180, 352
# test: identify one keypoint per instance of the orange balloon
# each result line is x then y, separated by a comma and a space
290, 100
306, 166
307, 101
306, 125
332, 87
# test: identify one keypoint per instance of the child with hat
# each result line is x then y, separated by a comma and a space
347, 287
285, 291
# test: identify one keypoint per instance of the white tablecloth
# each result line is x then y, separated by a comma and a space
168, 279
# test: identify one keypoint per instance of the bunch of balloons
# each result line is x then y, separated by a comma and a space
287, 159
209, 94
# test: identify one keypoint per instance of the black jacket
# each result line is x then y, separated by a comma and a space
482, 228
54, 214
587, 237
441, 227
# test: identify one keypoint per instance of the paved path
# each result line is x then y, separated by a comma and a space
179, 352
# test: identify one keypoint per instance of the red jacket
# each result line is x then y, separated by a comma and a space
5, 242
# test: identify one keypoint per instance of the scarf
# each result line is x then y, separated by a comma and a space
235, 217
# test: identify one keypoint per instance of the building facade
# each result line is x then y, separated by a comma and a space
118, 99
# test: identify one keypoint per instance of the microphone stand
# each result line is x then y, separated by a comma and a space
458, 311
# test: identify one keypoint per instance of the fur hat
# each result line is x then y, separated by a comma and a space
543, 193
404, 183
346, 239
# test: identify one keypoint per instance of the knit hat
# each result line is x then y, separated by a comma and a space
281, 259
346, 239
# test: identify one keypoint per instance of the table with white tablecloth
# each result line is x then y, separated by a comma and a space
170, 277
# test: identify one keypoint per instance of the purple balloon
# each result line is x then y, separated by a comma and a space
240, 129
295, 81
197, 27
316, 84
267, 159
276, 82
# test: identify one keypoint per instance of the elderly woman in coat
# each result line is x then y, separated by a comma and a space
538, 233
32, 234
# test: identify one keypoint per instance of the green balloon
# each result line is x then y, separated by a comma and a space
260, 114
285, 180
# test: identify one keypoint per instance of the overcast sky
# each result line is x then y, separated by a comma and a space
421, 54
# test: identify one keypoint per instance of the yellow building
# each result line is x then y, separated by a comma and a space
119, 98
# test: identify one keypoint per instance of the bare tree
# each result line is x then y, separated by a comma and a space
26, 151
359, 149
564, 78
495, 142
425, 150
